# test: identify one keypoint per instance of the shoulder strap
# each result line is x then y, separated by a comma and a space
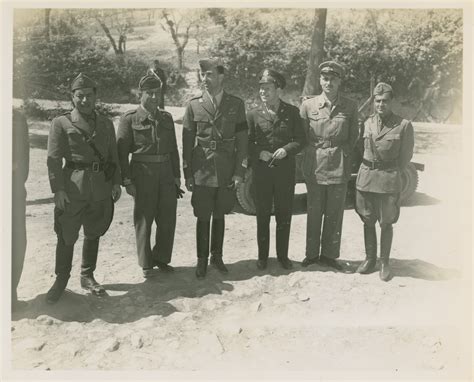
88, 140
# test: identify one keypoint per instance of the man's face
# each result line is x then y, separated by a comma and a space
269, 93
330, 84
84, 100
383, 104
150, 99
212, 80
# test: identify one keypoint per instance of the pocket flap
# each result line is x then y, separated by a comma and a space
139, 126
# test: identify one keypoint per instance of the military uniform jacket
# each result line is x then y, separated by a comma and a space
214, 141
391, 141
331, 134
140, 135
267, 133
65, 141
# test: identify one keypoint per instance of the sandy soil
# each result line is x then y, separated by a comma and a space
307, 322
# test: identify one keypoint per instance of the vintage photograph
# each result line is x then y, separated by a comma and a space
239, 193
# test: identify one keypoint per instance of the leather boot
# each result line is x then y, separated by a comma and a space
57, 289
217, 243
386, 237
370, 241
202, 247
90, 250
63, 266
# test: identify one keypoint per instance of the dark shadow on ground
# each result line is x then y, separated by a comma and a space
39, 201
38, 141
421, 199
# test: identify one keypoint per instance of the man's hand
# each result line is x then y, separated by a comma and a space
236, 180
131, 190
116, 192
280, 153
60, 199
189, 183
265, 155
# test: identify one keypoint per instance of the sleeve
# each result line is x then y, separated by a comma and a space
241, 142
174, 152
113, 155
56, 143
124, 146
353, 128
407, 145
304, 119
189, 138
253, 149
21, 148
298, 136
360, 140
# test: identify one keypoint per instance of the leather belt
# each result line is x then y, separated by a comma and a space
380, 165
157, 158
213, 145
94, 166
324, 143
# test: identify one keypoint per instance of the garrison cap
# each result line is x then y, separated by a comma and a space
382, 88
270, 76
210, 63
81, 82
149, 82
331, 67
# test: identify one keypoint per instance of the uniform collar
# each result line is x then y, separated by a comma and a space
324, 101
76, 115
145, 114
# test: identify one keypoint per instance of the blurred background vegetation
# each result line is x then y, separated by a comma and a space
418, 51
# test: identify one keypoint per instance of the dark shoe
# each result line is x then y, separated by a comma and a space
285, 263
219, 264
149, 273
262, 264
164, 267
201, 268
56, 290
333, 263
385, 272
367, 266
307, 261
90, 284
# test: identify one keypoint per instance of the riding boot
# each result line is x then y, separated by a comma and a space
370, 241
386, 237
90, 250
217, 243
63, 270
202, 247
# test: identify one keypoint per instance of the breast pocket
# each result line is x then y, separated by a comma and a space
75, 139
389, 146
341, 126
203, 125
142, 134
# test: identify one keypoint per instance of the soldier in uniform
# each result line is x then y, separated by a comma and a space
153, 175
86, 188
331, 125
388, 142
214, 156
20, 169
276, 135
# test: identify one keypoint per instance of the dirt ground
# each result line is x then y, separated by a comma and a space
308, 322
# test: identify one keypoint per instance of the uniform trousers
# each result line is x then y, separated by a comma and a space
274, 187
323, 237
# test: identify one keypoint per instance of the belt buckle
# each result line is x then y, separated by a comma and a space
373, 165
213, 145
95, 166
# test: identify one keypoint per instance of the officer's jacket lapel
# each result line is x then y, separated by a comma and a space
386, 127
279, 114
262, 113
223, 107
78, 120
207, 105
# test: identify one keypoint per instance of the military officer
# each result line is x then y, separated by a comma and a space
214, 156
152, 176
276, 135
331, 125
86, 187
388, 142
20, 167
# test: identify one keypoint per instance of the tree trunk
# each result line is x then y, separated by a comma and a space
109, 36
180, 53
47, 29
311, 85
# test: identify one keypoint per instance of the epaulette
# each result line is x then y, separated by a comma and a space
66, 112
166, 113
130, 112
197, 96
